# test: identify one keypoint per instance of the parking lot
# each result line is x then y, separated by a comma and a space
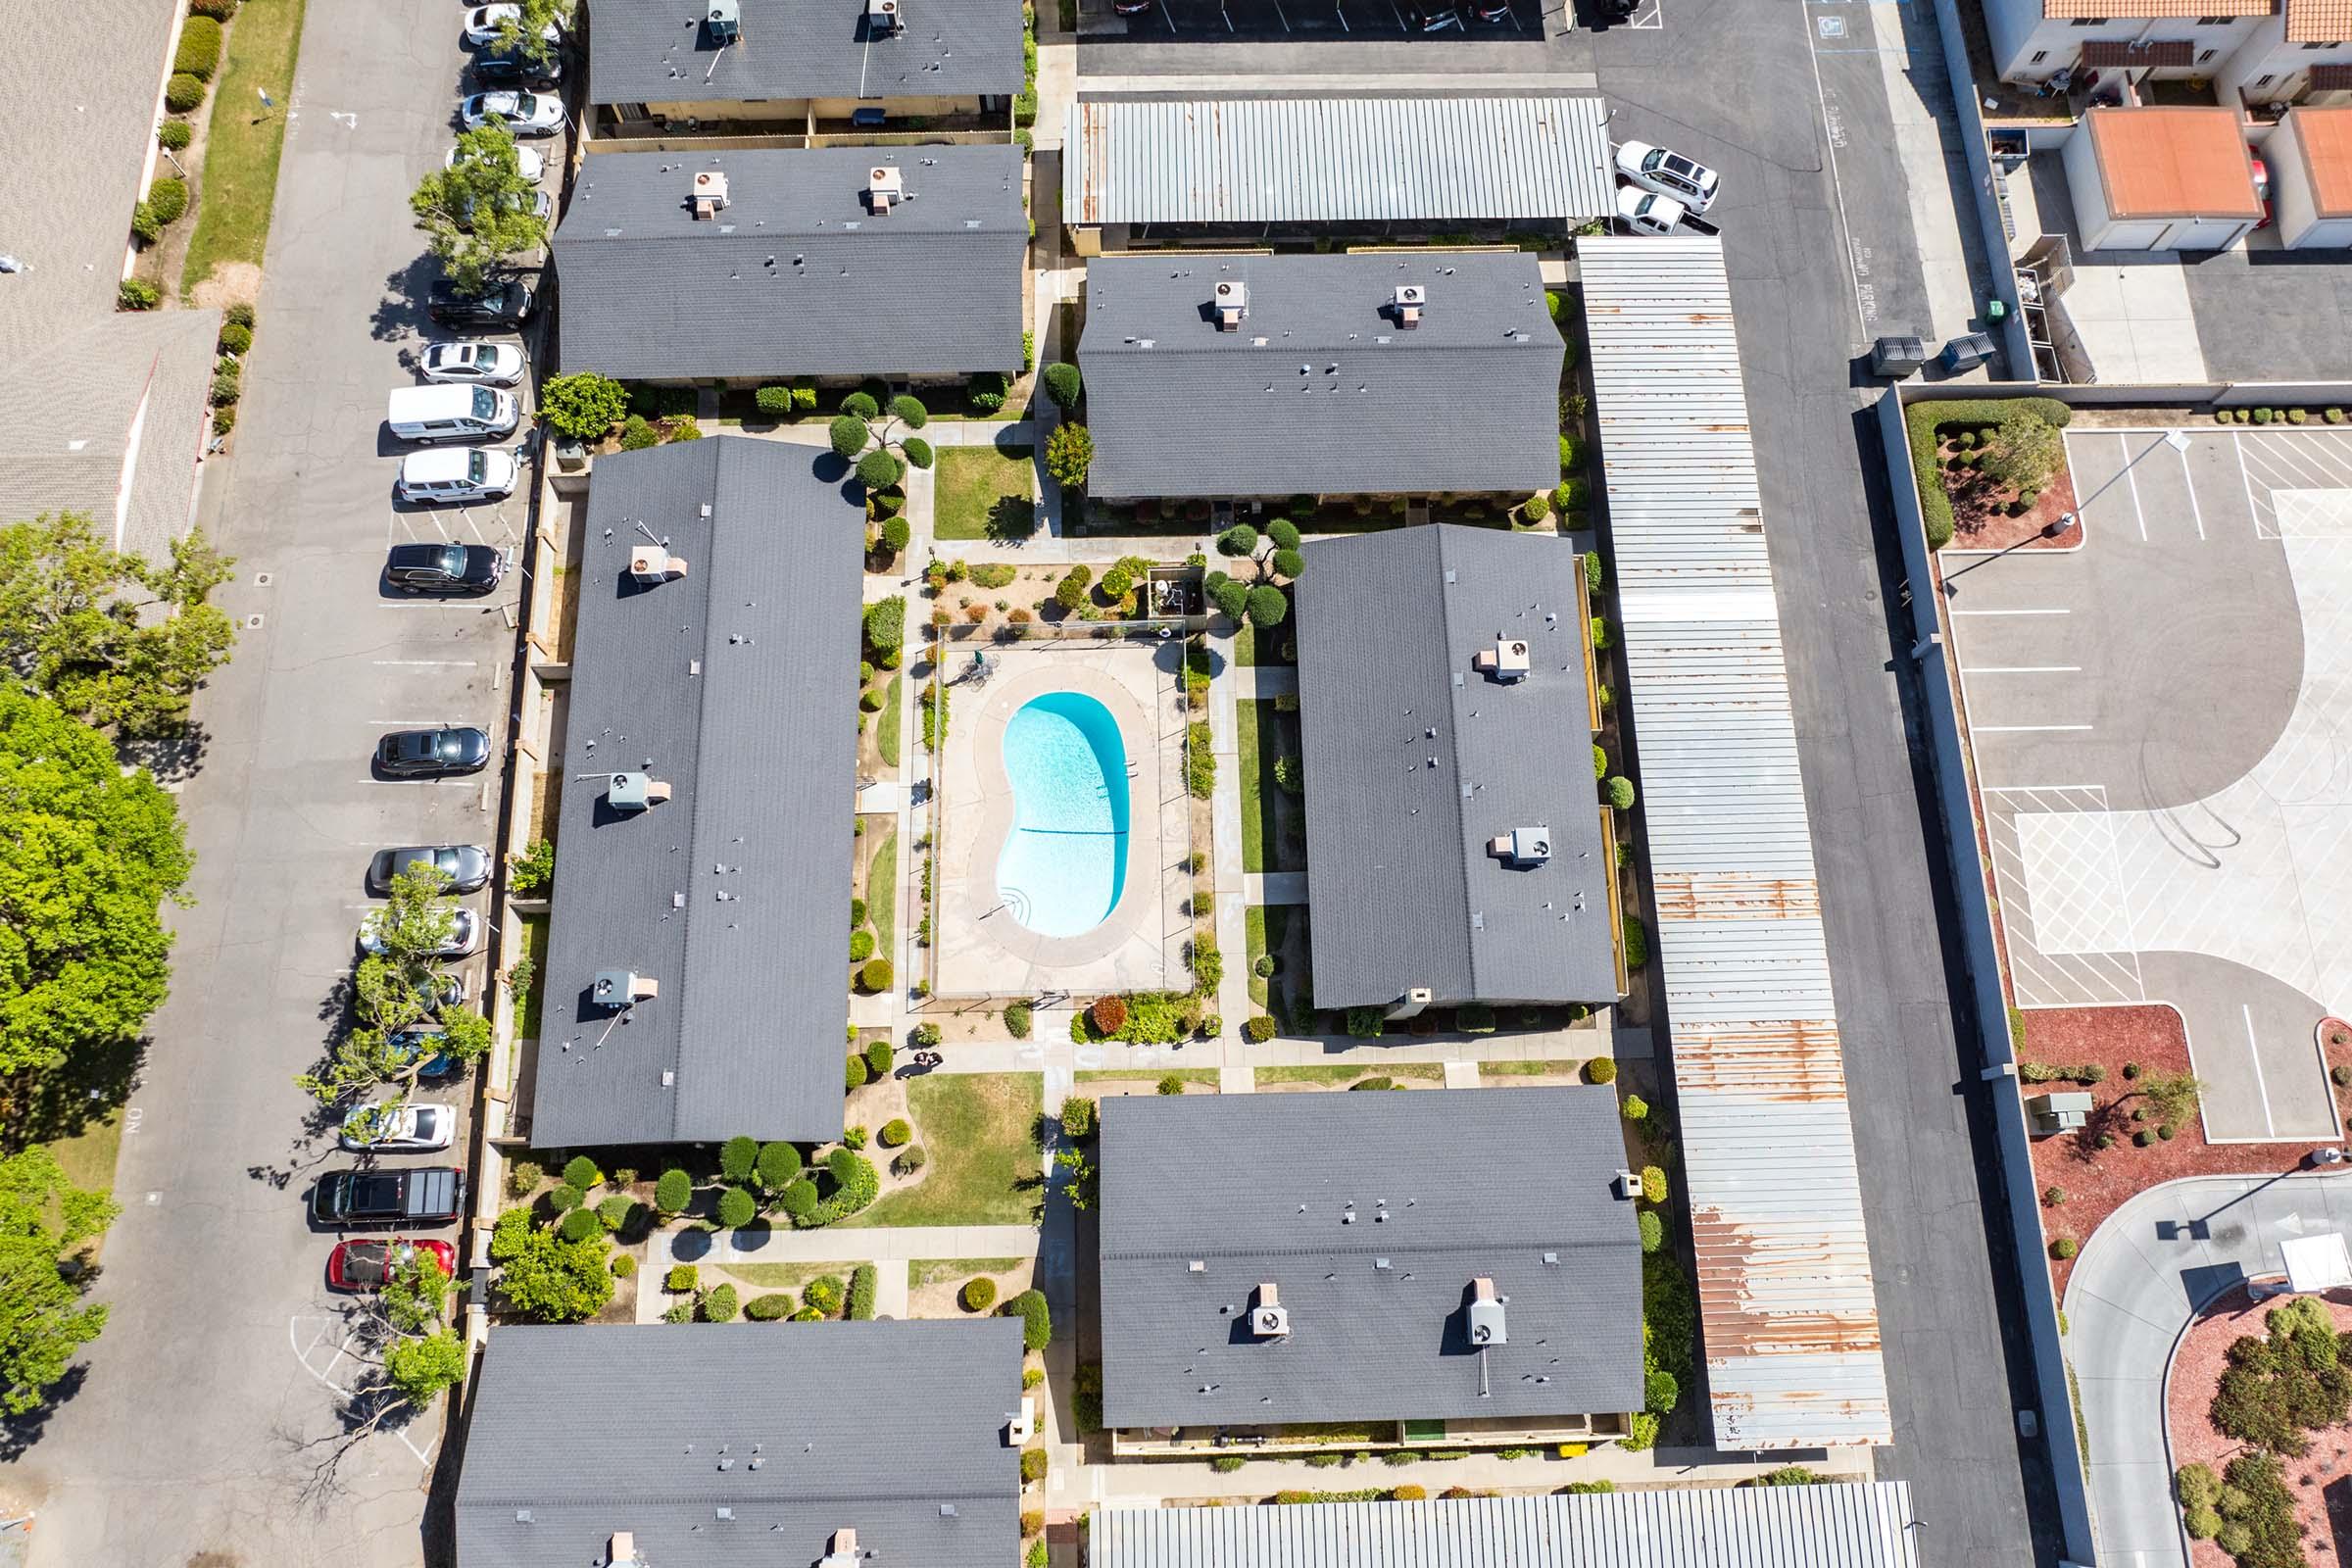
2159, 722
1491, 20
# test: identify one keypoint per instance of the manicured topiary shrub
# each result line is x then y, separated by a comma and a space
580, 1171
1259, 1030
1621, 793
1239, 540
579, 1224
183, 92
865, 1281
235, 339
616, 1211
624, 1264
737, 1208
175, 134
776, 1304
564, 1198
720, 1305
1288, 564
737, 1157
1018, 1021
778, 1164
1266, 607
1062, 385
861, 943
682, 1277
895, 1133
879, 470
978, 1294
673, 1192
824, 1293
1637, 942
1601, 1070
876, 976
853, 1073
1654, 1231
877, 1059
199, 53
1037, 1319
2065, 1247
1077, 1117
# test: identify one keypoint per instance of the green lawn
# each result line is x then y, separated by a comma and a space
240, 156
886, 739
983, 493
1253, 927
979, 1130
882, 896
781, 1276
1253, 805
932, 1270
89, 1156
534, 947
1273, 834
1349, 1072
1245, 644
1526, 1069
1144, 1075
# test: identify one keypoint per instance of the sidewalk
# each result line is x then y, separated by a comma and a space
1252, 681
1275, 887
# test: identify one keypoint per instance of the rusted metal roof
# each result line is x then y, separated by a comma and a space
1787, 1307
1503, 159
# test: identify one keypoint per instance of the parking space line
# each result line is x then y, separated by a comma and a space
2132, 483
2237, 444
1284, 16
1342, 13
2254, 1050
2188, 482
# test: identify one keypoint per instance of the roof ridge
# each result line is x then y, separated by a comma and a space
1454, 741
708, 580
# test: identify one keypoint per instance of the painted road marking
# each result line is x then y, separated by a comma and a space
2132, 483
2189, 483
2254, 1050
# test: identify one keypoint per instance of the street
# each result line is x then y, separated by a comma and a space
225, 1354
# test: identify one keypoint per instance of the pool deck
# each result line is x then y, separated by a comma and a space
982, 949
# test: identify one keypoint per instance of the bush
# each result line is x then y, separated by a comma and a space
1017, 1018
863, 1282
199, 53
861, 943
1925, 420
1601, 1070
1637, 942
183, 92
1070, 454
986, 391
225, 384
1621, 793
875, 976
777, 1305
978, 1294
1659, 1391
1231, 598
823, 1295
778, 1164
579, 1224
1239, 540
2052, 1197
1536, 507
2065, 1247
624, 1264
235, 339
853, 1073
1070, 592
1033, 1465
1077, 1117
1408, 1494
168, 199
896, 535
737, 1207
218, 10
1037, 1319
1171, 1084
776, 399
1267, 607
738, 1157
1652, 1229
616, 1209
720, 1305
1366, 1023
584, 405
145, 227
174, 135
673, 1192
636, 434
895, 1133
1635, 1107
909, 1160
1654, 1185
565, 1197
240, 315
1600, 762
1474, 1018
1259, 1030
580, 1171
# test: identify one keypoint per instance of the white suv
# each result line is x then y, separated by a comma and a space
1668, 173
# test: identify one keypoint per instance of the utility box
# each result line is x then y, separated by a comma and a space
2051, 1115
1967, 351
1898, 356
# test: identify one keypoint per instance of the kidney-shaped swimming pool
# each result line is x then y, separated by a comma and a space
1066, 861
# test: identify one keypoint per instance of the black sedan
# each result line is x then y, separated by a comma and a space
427, 752
464, 868
500, 307
449, 568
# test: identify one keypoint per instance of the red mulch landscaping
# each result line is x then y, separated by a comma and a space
2098, 1180
2319, 1479
1981, 518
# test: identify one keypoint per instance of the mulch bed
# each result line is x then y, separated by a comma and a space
2098, 1180
2319, 1479
1981, 518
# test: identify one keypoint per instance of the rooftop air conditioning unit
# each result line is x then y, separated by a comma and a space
885, 187
882, 19
1531, 845
842, 1550
653, 564
634, 792
1269, 1319
1486, 1314
622, 988
726, 21
1231, 304
1411, 300
709, 193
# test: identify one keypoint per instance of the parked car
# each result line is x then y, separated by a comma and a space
446, 568
527, 163
420, 1195
366, 1266
442, 412
430, 753
410, 1129
464, 868
1132, 7
1646, 212
1669, 173
483, 23
465, 935
1491, 10
407, 1044
495, 68
500, 307
525, 114
461, 474
483, 363
1432, 20
543, 208
440, 990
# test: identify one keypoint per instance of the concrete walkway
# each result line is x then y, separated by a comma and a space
1275, 887
1252, 681
2156, 1262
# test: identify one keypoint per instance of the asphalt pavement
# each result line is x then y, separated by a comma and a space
194, 1429
1817, 209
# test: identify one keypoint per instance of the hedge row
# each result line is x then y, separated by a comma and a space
1926, 418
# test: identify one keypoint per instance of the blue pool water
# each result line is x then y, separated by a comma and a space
1065, 860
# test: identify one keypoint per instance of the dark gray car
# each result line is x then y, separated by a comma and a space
465, 867
427, 752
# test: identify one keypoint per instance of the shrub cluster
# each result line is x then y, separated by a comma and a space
199, 53
1037, 1321
2292, 1380
1259, 1030
183, 92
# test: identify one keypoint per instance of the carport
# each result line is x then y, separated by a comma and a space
2161, 179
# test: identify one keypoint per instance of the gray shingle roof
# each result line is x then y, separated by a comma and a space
1402, 890
759, 748
1476, 1182
657, 51
77, 378
1859, 1525
873, 1426
1468, 400
934, 288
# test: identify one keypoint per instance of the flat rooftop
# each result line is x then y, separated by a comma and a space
659, 51
732, 683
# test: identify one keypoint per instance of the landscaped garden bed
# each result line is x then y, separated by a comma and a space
1992, 471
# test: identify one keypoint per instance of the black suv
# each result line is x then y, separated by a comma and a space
445, 568
425, 753
503, 307
419, 1195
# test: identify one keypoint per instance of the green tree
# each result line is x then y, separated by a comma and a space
1267, 607
87, 853
2026, 450
480, 208
43, 1319
1069, 452
1062, 385
393, 990
526, 34
419, 1370
583, 405
550, 1280
119, 641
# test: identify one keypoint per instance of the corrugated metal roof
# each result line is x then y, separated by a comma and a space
1787, 1307
1856, 1525
1336, 160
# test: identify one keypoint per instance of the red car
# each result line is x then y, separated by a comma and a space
369, 1265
